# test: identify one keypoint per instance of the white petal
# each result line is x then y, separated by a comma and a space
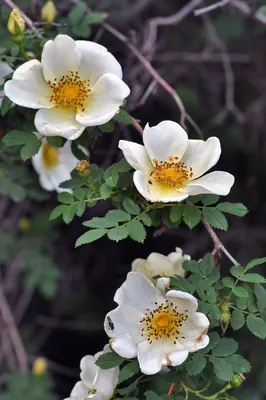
107, 380
88, 362
139, 265
58, 122
162, 284
201, 156
123, 319
194, 330
104, 101
46, 182
150, 357
155, 192
89, 375
177, 357
138, 292
217, 182
80, 391
59, 57
28, 88
167, 139
158, 264
96, 61
66, 157
124, 346
136, 155
184, 301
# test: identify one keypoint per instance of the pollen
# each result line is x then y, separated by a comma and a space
164, 322
171, 173
70, 92
49, 155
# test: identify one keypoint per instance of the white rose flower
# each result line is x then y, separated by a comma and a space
161, 330
76, 84
96, 383
54, 165
158, 264
5, 70
169, 167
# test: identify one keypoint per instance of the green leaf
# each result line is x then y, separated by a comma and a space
79, 193
237, 271
207, 264
214, 340
107, 127
253, 278
240, 291
191, 215
145, 218
105, 191
97, 222
176, 213
77, 14
196, 365
69, 213
260, 294
237, 209
215, 218
152, 396
123, 117
95, 17
225, 347
55, 141
5, 106
137, 231
222, 368
131, 207
191, 266
90, 236
80, 208
254, 263
237, 320
209, 199
116, 216
257, 326
239, 364
30, 149
214, 312
228, 282
109, 360
242, 303
65, 198
57, 211
118, 233
128, 371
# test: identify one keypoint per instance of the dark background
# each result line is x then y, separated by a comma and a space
217, 64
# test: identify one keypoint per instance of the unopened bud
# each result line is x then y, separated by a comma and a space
237, 380
225, 317
83, 167
48, 12
30, 54
15, 24
39, 366
24, 224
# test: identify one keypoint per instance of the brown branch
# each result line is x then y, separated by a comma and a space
28, 21
211, 7
12, 331
163, 21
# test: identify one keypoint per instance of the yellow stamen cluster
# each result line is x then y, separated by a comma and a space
163, 322
49, 155
91, 393
171, 173
70, 92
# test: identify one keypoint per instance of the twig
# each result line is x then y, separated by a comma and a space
28, 21
212, 7
163, 21
13, 332
171, 388
147, 93
243, 7
218, 245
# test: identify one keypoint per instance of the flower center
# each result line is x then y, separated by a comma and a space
70, 92
91, 394
49, 155
163, 322
170, 173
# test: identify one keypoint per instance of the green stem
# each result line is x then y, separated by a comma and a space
22, 52
201, 396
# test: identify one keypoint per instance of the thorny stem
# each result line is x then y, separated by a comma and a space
12, 331
171, 388
215, 396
